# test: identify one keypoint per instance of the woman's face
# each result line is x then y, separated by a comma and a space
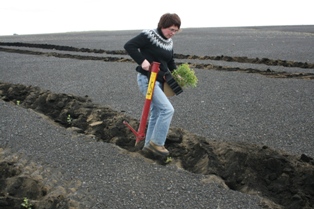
169, 32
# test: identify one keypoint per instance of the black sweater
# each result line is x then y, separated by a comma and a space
152, 46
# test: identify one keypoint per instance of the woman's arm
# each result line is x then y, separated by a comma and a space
133, 47
171, 64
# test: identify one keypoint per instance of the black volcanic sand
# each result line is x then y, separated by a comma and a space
265, 61
20, 179
281, 180
284, 181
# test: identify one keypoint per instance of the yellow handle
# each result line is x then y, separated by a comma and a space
152, 80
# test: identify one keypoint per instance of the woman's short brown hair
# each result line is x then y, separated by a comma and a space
168, 20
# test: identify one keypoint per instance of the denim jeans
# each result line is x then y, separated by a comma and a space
161, 112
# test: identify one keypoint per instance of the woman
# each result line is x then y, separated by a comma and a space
156, 45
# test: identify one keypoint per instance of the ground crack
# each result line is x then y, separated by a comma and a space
22, 181
266, 61
284, 179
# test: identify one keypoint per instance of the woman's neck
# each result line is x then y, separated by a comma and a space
160, 33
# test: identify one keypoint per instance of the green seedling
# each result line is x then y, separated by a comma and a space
18, 102
185, 76
69, 119
168, 160
26, 204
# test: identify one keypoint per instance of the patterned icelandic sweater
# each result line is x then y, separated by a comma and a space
153, 46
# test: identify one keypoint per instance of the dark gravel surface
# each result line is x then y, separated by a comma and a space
110, 177
226, 106
287, 43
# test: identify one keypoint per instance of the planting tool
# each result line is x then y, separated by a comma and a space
140, 134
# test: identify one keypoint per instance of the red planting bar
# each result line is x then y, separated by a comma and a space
140, 134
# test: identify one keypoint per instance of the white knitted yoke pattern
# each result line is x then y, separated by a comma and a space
158, 40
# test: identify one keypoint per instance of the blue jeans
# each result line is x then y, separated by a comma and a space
161, 112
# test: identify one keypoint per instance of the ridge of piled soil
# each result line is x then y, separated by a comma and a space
285, 180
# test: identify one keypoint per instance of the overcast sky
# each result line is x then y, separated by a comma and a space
47, 16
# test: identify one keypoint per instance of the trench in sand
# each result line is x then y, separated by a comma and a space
16, 47
282, 180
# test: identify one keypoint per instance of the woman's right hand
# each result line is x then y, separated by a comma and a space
145, 65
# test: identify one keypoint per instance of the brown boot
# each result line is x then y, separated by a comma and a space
159, 150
